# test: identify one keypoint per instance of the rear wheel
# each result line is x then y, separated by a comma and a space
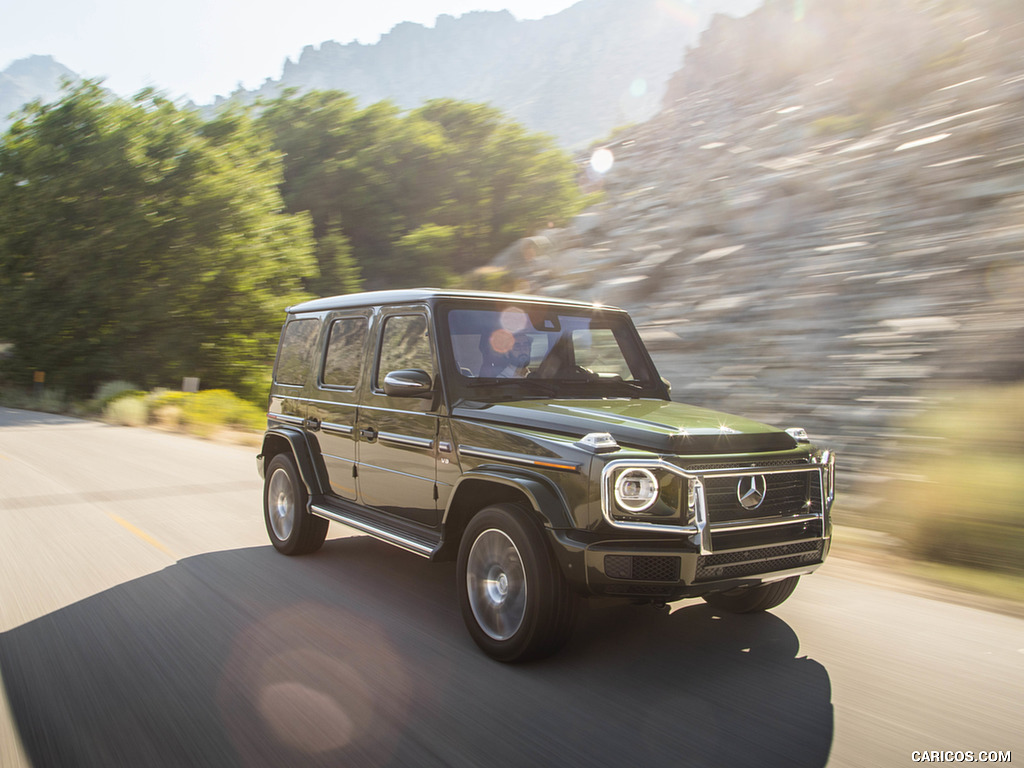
515, 601
753, 599
292, 529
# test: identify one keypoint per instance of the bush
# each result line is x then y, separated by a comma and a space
109, 391
205, 411
166, 407
127, 410
962, 505
47, 401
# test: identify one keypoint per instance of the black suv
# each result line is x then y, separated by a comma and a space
532, 440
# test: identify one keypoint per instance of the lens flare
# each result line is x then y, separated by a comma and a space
602, 160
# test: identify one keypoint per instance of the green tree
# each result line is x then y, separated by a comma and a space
337, 271
428, 253
419, 196
139, 241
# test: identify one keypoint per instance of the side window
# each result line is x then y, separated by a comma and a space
298, 342
405, 344
344, 358
598, 351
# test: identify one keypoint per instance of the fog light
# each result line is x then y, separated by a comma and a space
636, 490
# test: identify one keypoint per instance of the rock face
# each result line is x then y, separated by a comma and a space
36, 77
577, 74
826, 237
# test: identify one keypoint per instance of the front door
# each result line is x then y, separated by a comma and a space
397, 468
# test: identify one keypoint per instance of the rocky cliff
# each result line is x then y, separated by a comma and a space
825, 225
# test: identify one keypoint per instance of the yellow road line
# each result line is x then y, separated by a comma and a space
141, 534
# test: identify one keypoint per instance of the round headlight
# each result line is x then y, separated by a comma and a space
636, 490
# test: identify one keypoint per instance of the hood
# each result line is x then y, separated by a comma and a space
655, 425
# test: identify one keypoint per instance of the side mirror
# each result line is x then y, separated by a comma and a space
667, 383
408, 383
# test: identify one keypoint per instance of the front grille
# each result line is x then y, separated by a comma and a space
787, 493
642, 567
736, 564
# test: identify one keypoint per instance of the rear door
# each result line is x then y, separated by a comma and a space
397, 467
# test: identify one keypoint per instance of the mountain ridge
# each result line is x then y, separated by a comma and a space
576, 74
28, 79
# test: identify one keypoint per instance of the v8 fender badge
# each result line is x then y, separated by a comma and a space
751, 491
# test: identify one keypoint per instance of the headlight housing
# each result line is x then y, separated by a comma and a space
636, 489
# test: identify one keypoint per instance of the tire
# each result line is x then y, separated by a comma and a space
515, 601
753, 599
292, 529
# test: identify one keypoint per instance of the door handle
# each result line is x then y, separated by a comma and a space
313, 425
368, 433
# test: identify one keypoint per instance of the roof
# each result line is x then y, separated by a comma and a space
419, 295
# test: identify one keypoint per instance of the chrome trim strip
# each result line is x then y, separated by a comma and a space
331, 403
742, 471
689, 530
828, 460
286, 418
378, 533
406, 440
388, 470
366, 407
700, 515
745, 525
336, 429
518, 458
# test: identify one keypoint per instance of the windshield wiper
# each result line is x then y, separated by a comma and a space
544, 386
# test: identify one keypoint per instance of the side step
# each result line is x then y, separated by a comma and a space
419, 543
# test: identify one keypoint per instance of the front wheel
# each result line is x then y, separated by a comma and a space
515, 601
753, 599
292, 529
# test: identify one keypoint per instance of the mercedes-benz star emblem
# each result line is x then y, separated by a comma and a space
750, 491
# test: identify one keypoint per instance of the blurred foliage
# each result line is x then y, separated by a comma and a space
50, 400
419, 197
109, 391
959, 499
212, 408
488, 278
140, 241
129, 410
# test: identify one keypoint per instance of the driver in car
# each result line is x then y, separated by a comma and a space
518, 360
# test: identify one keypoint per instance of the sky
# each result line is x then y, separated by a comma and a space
199, 49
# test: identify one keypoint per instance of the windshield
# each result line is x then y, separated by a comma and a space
511, 353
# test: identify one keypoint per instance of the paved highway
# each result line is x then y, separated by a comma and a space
145, 620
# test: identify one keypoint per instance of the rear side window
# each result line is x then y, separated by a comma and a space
298, 342
344, 357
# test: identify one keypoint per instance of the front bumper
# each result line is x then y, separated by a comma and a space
666, 569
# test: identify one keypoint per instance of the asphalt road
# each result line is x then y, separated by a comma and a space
147, 621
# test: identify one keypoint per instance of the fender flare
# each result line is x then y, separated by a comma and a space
298, 443
546, 498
